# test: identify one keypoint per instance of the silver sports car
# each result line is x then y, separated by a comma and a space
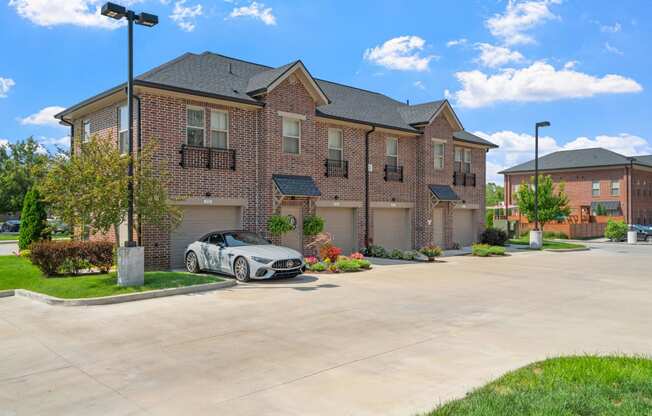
242, 254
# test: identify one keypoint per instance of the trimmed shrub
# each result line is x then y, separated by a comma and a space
480, 250
396, 254
347, 265
317, 267
313, 225
56, 257
375, 251
431, 251
279, 224
364, 264
616, 230
33, 220
497, 251
493, 237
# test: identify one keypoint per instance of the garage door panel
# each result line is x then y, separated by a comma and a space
438, 226
197, 221
392, 228
340, 223
463, 228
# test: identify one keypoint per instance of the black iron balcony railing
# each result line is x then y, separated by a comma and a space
463, 179
207, 157
337, 168
394, 173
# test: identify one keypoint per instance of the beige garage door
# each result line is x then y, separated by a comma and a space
463, 229
198, 221
392, 228
438, 226
340, 223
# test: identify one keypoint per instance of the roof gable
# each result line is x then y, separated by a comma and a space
266, 81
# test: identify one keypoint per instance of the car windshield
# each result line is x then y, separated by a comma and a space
244, 238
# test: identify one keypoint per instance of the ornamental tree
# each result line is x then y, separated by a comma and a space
33, 225
553, 203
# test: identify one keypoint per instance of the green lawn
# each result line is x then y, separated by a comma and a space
8, 236
547, 244
569, 386
19, 273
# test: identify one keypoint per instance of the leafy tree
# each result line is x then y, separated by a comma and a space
616, 230
553, 204
494, 194
90, 189
22, 164
33, 226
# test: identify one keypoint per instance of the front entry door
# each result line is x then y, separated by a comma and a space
294, 239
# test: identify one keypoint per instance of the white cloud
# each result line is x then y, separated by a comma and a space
456, 42
257, 11
571, 64
520, 17
615, 28
185, 16
4, 142
496, 56
516, 148
53, 141
419, 85
84, 13
402, 53
536, 83
5, 85
45, 117
612, 49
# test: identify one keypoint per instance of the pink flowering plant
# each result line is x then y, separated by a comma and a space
356, 256
310, 260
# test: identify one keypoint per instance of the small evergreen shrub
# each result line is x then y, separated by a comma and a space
313, 225
497, 251
278, 225
364, 264
480, 250
616, 230
493, 237
33, 220
317, 267
347, 265
375, 251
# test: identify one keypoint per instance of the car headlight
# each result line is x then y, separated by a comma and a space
262, 260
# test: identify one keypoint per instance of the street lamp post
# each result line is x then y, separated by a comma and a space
536, 237
130, 257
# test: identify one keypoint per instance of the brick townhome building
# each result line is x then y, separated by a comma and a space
244, 141
593, 177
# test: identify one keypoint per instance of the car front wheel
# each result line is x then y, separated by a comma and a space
241, 269
192, 264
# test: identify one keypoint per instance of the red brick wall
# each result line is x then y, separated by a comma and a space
642, 196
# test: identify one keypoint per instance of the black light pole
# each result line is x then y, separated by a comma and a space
536, 171
118, 12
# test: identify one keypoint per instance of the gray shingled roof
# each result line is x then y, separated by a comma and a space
569, 159
220, 76
645, 159
465, 136
293, 185
443, 192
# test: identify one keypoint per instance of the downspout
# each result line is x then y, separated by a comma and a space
72, 134
366, 185
257, 164
140, 142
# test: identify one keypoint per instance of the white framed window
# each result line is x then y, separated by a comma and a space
123, 125
86, 131
291, 135
195, 126
615, 188
391, 151
595, 188
438, 147
467, 160
335, 145
219, 130
459, 159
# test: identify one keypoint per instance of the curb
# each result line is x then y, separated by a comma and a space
8, 241
110, 300
566, 250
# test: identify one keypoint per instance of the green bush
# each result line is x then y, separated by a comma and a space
490, 219
493, 237
313, 225
56, 257
33, 225
375, 251
396, 254
431, 251
481, 250
347, 265
318, 267
616, 230
279, 224
497, 251
364, 264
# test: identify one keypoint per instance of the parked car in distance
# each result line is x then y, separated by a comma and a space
643, 232
57, 226
11, 226
242, 254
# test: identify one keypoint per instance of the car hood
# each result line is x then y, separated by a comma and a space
268, 251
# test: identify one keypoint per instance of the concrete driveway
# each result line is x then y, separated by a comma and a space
394, 341
8, 248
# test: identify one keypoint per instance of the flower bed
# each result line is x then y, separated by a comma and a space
486, 250
425, 253
340, 264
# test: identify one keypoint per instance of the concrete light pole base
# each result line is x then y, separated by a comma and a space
632, 238
131, 266
536, 239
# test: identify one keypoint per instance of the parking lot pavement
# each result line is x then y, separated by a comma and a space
396, 340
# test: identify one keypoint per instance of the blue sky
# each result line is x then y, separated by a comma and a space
584, 66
